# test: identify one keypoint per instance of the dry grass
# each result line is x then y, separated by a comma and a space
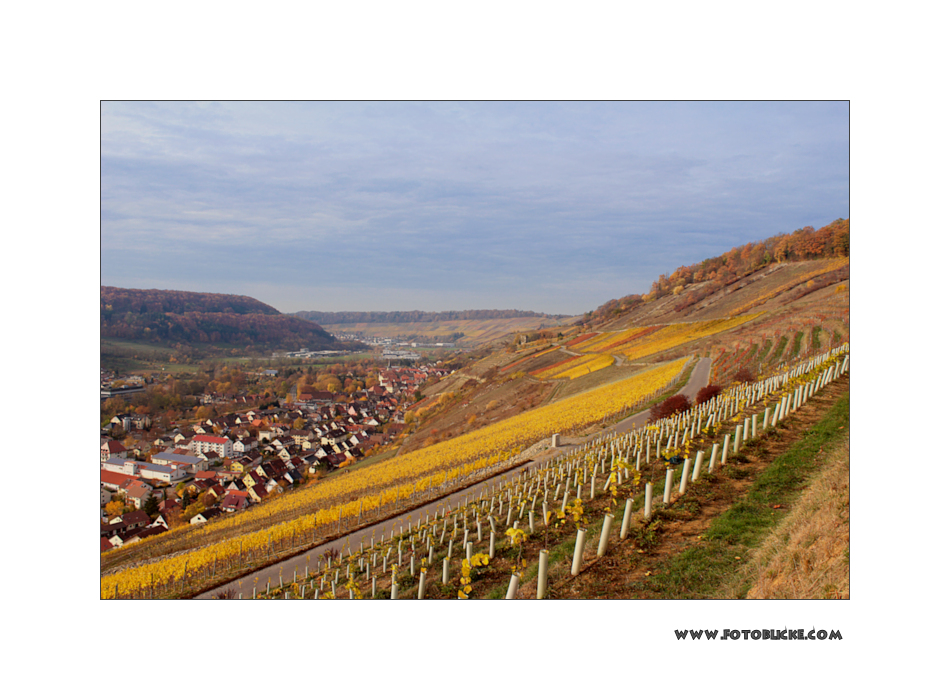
807, 556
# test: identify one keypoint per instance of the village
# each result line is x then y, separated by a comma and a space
211, 468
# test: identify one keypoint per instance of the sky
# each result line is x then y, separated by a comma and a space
555, 207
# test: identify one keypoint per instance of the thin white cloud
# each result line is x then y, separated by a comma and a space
416, 196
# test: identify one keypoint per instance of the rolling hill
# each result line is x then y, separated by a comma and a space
166, 318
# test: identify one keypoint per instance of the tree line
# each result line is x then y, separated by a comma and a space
806, 243
116, 300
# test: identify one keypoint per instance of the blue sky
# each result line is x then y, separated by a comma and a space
548, 206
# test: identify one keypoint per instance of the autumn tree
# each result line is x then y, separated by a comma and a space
151, 506
203, 413
193, 510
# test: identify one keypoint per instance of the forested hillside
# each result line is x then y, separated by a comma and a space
115, 300
170, 317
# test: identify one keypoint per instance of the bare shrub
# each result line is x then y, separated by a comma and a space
671, 406
710, 391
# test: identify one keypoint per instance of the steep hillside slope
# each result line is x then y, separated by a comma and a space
748, 318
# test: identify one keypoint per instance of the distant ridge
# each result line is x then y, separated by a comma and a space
178, 302
167, 317
338, 317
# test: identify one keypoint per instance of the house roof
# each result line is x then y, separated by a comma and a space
109, 529
114, 478
209, 513
139, 490
168, 505
158, 468
143, 532
136, 518
234, 500
213, 439
182, 457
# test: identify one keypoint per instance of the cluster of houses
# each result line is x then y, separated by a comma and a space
235, 461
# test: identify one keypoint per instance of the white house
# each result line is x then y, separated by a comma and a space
190, 463
222, 446
245, 445
120, 465
169, 474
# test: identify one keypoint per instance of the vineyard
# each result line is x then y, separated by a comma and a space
595, 351
531, 534
179, 560
809, 279
574, 367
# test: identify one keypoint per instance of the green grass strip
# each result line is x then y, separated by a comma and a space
779, 348
797, 344
699, 571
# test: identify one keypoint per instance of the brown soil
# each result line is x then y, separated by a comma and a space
679, 527
477, 405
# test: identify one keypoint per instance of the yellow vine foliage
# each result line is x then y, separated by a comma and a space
603, 340
676, 334
577, 367
397, 478
636, 343
592, 364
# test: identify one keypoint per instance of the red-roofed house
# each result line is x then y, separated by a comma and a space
257, 493
233, 502
217, 490
113, 481
112, 448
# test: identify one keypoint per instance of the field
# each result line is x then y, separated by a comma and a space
128, 356
474, 332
